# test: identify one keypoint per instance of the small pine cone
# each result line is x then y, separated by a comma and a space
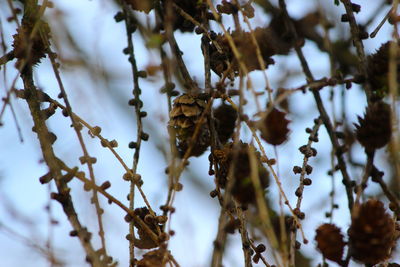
184, 117
30, 50
330, 242
274, 127
226, 117
375, 129
154, 258
243, 188
371, 234
378, 68
221, 62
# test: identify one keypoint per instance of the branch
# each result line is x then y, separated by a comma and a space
7, 57
324, 115
63, 195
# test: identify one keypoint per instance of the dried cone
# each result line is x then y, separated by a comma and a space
371, 234
226, 117
274, 127
375, 129
378, 68
221, 62
243, 188
184, 117
330, 242
30, 49
154, 258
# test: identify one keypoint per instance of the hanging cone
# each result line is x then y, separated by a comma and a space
330, 242
371, 234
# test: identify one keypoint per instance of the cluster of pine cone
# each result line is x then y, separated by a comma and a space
371, 237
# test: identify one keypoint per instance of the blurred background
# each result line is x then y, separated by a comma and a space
98, 80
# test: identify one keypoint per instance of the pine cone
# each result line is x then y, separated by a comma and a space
378, 68
243, 188
184, 116
371, 234
29, 50
220, 62
375, 129
274, 128
330, 242
226, 117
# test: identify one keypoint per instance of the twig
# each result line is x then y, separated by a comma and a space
367, 173
244, 236
137, 219
89, 163
28, 241
190, 85
300, 189
262, 207
220, 240
278, 182
50, 159
355, 33
324, 115
394, 201
139, 136
385, 18
106, 143
236, 53
63, 196
7, 57
7, 101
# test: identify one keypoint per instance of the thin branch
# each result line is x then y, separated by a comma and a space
7, 57
129, 25
99, 210
355, 33
91, 185
324, 115
51, 161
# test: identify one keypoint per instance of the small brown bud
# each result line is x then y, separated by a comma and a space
260, 248
104, 186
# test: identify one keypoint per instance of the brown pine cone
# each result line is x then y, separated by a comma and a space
184, 116
330, 242
226, 117
28, 49
375, 129
274, 127
371, 234
243, 188
221, 62
378, 68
